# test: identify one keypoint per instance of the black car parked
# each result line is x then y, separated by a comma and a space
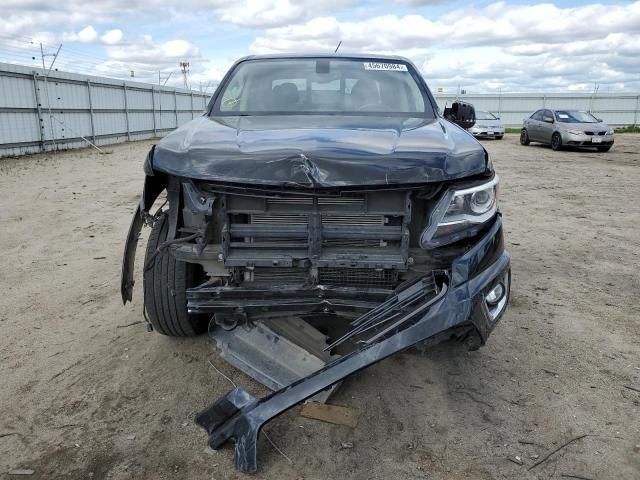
321, 210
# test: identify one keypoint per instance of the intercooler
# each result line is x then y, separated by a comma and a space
357, 239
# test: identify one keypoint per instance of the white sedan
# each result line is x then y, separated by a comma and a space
487, 125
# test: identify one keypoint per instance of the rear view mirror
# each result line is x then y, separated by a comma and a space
461, 113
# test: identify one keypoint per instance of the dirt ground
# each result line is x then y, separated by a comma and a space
87, 393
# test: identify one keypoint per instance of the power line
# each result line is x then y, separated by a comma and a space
22, 49
34, 41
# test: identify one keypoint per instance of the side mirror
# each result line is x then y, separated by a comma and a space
462, 114
547, 119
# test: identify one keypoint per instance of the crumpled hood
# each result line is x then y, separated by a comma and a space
319, 151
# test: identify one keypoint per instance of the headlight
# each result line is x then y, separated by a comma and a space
460, 214
574, 132
610, 131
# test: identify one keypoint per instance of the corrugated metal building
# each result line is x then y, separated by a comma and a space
39, 113
617, 109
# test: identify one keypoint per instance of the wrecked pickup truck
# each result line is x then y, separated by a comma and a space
320, 216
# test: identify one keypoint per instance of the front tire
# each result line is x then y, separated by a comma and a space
524, 137
556, 141
165, 284
499, 137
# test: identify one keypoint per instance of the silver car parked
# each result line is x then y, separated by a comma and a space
562, 128
487, 125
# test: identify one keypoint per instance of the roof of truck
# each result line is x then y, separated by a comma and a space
368, 56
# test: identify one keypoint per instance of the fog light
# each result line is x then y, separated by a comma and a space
496, 299
495, 295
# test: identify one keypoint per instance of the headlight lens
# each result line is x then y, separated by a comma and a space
610, 131
574, 132
481, 201
460, 214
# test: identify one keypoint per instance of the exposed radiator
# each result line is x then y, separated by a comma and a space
280, 275
363, 230
327, 219
345, 277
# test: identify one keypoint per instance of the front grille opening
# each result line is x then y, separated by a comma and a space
358, 277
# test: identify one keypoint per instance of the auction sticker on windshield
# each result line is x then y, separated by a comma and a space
397, 67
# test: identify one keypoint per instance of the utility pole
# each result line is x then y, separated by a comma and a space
596, 87
46, 86
161, 83
206, 87
184, 66
166, 79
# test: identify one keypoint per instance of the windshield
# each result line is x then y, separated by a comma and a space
322, 86
484, 115
574, 116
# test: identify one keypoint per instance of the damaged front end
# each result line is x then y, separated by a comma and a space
304, 286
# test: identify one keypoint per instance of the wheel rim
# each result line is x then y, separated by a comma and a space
523, 137
555, 141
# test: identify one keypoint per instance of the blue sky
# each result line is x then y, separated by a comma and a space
480, 46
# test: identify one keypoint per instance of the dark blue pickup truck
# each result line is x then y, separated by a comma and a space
321, 215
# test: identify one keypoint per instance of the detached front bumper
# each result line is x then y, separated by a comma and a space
471, 297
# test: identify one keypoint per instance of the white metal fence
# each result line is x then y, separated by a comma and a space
39, 113
617, 109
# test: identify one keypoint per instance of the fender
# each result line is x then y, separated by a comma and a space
153, 187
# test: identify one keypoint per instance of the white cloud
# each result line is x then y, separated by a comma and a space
26, 16
494, 25
499, 45
274, 13
112, 37
87, 35
179, 49
420, 2
255, 13
146, 50
146, 57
